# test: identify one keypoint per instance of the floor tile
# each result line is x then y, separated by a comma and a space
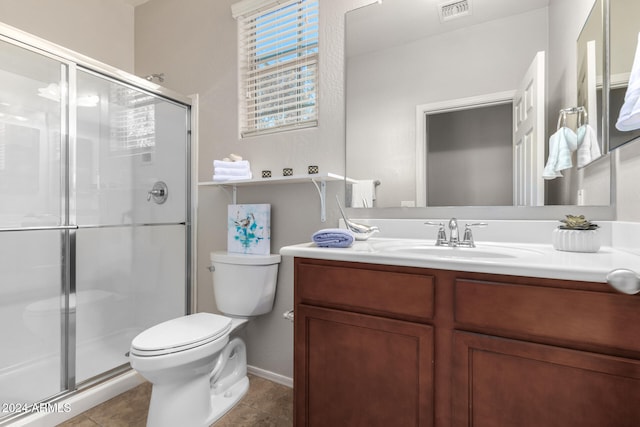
266, 404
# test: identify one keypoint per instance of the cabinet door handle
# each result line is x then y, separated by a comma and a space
625, 281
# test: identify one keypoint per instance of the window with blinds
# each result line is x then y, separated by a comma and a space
278, 60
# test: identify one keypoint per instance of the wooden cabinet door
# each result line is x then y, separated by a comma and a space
500, 382
361, 370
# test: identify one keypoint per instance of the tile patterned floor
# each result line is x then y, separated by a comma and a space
267, 404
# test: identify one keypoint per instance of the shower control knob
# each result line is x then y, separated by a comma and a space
159, 193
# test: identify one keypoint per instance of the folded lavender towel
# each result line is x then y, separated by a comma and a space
333, 238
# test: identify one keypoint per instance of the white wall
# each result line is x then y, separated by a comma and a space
101, 29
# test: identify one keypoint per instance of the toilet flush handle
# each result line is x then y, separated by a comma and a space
288, 315
211, 268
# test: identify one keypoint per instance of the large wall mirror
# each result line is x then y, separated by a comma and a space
457, 107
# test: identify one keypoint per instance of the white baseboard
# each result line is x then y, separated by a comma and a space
271, 376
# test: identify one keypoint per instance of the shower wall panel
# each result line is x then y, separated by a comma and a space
30, 315
128, 279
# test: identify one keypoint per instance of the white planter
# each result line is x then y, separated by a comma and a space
576, 240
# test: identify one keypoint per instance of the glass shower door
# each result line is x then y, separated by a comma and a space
131, 246
33, 234
94, 221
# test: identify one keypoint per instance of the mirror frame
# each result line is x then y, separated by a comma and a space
512, 212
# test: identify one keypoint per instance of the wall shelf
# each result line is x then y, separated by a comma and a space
319, 180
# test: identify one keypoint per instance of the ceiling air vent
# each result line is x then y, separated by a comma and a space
454, 9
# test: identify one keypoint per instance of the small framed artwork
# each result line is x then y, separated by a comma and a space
249, 229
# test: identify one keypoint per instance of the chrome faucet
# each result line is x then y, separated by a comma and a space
454, 234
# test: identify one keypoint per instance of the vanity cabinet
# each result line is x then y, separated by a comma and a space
504, 382
363, 370
406, 346
363, 353
544, 353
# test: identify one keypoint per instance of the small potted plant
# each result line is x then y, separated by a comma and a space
576, 234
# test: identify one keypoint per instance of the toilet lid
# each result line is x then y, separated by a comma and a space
182, 333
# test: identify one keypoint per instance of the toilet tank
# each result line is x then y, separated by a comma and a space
244, 285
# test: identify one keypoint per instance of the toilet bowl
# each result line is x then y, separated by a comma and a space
196, 364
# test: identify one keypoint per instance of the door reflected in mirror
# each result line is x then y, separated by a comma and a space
400, 56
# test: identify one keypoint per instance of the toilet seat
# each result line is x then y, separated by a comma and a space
181, 334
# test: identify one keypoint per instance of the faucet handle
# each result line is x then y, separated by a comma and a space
467, 239
441, 240
477, 224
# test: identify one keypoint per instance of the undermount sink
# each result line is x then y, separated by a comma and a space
479, 252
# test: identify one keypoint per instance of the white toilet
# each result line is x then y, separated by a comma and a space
198, 372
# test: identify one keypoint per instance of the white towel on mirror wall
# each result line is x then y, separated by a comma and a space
363, 193
629, 118
561, 145
588, 148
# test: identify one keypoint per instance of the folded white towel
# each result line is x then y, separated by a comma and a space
242, 164
223, 178
561, 145
550, 171
232, 171
588, 148
629, 118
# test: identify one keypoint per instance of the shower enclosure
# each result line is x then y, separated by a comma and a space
95, 230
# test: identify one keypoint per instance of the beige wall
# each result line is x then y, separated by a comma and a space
101, 29
628, 177
195, 47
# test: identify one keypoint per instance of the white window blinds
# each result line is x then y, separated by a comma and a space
278, 60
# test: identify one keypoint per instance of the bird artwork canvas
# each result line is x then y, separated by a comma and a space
249, 229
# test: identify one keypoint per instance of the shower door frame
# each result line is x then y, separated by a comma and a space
72, 62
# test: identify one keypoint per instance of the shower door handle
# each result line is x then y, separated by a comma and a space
159, 193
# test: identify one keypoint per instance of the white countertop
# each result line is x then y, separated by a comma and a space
521, 259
